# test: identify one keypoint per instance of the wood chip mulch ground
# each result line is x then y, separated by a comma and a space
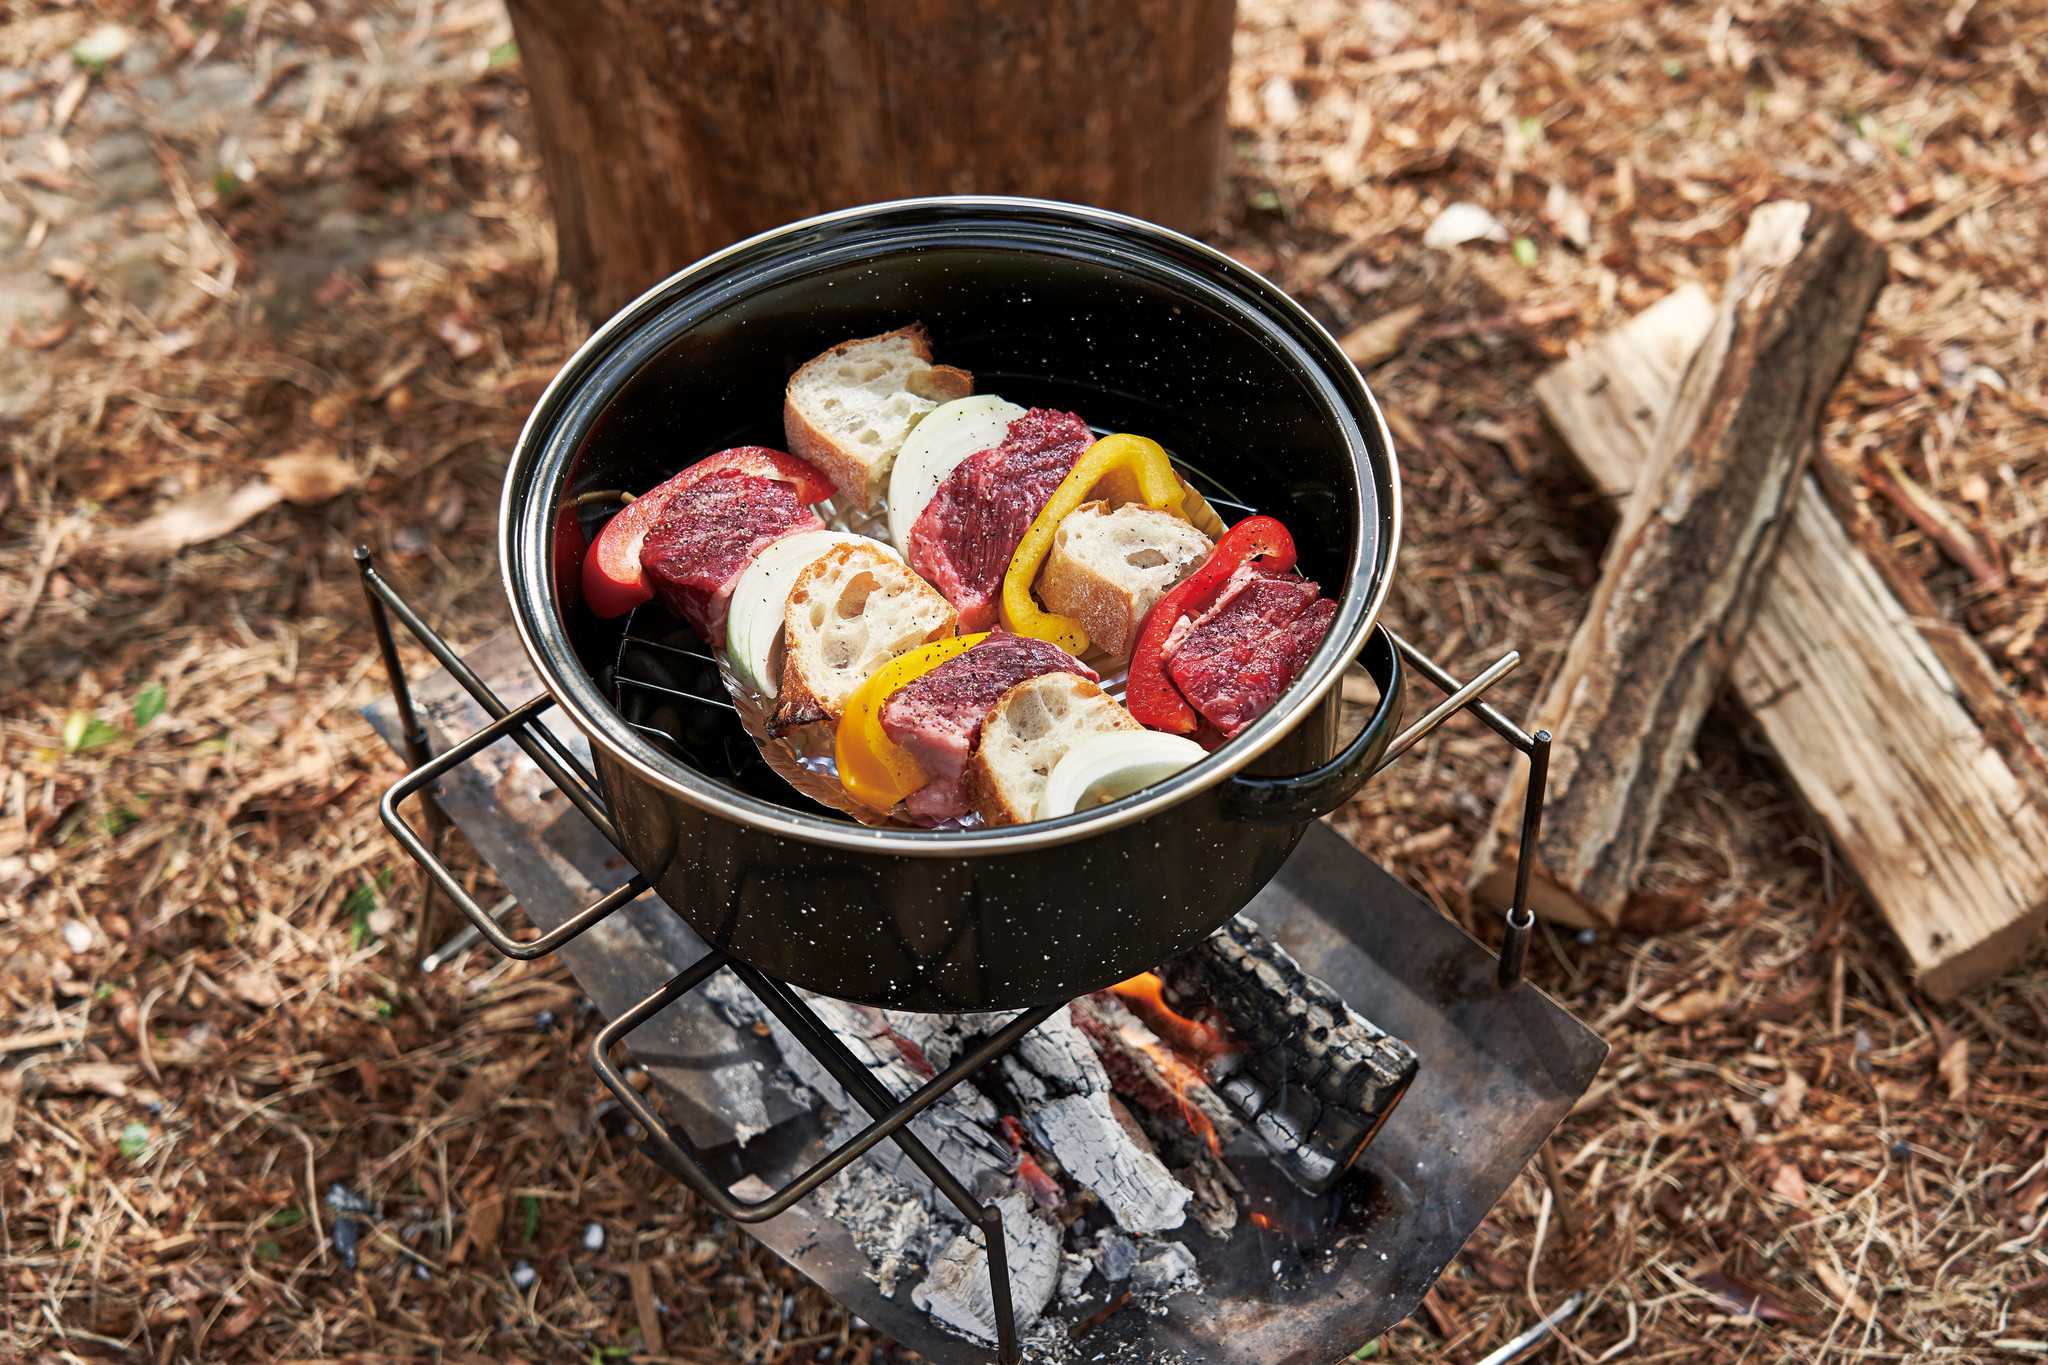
279, 281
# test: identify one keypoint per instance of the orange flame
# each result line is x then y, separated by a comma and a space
1260, 1220
1145, 993
1178, 1073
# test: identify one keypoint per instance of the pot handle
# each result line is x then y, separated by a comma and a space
1303, 797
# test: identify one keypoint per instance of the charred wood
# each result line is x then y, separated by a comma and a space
1067, 1110
957, 1291
1313, 1078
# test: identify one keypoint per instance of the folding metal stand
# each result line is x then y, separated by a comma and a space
889, 1113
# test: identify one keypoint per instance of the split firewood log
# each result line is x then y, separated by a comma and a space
1891, 726
1684, 570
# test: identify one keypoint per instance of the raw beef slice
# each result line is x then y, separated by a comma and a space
963, 540
938, 717
1242, 653
694, 555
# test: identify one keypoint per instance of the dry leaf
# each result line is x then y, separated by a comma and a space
1379, 339
75, 275
254, 986
1567, 213
2027, 1199
100, 1078
309, 479
1460, 223
462, 340
1746, 1300
489, 1084
1790, 1184
1955, 1067
1791, 1097
206, 515
1844, 1295
1693, 1006
328, 410
1898, 1092
1744, 1116
446, 507
1662, 912
1492, 1268
486, 1220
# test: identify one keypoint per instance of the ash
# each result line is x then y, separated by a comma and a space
1090, 1187
1058, 1134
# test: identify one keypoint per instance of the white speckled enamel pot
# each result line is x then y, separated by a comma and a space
1135, 328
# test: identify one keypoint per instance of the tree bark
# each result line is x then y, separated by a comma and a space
1895, 731
671, 128
1680, 581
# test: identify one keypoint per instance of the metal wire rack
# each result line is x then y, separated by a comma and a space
889, 1114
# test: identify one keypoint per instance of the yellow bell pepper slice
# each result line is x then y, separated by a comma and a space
875, 770
1135, 469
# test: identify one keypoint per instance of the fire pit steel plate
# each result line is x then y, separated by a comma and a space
1499, 1071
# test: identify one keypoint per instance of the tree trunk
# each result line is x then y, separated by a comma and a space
671, 128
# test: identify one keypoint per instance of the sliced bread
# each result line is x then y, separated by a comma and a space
848, 410
1029, 730
1108, 568
850, 612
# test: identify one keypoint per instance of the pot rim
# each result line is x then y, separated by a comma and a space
541, 457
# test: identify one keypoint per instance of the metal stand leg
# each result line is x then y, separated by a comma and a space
1514, 944
843, 1067
891, 1116
417, 751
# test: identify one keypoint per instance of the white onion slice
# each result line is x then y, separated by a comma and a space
942, 438
753, 629
1106, 767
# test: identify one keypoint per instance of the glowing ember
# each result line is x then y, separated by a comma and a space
1042, 1187
1145, 993
910, 1052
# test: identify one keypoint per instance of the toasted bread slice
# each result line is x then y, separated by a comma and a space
1108, 568
852, 611
848, 410
1030, 728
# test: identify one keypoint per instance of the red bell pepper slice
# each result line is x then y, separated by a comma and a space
613, 583
1150, 695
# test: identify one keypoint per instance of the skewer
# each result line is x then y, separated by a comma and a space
625, 681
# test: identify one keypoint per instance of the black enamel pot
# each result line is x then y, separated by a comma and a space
1135, 328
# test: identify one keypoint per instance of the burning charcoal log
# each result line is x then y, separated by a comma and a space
1065, 1093
1314, 1079
1074, 1272
1149, 1074
1115, 1254
960, 1127
1066, 1099
957, 1293
1165, 1268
